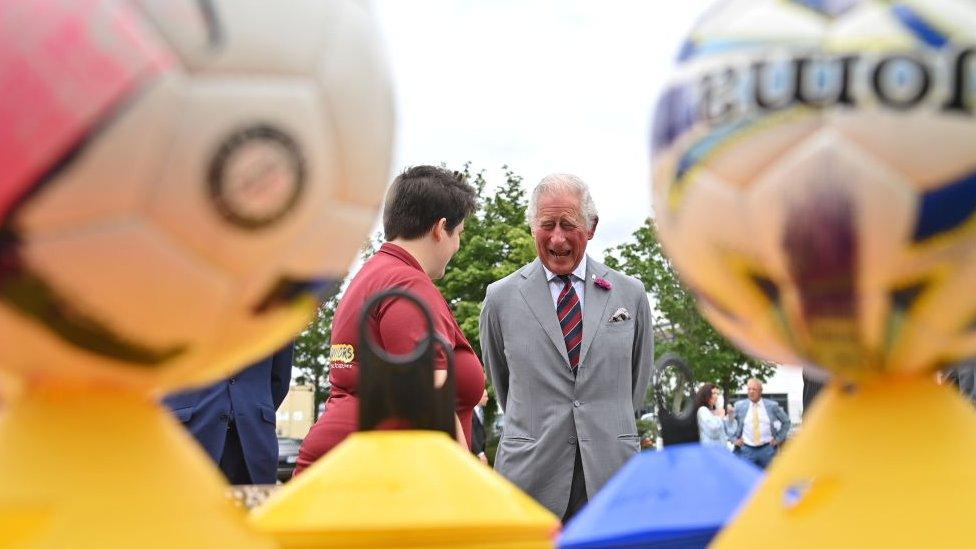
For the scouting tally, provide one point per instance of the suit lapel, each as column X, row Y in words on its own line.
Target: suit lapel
column 595, row 302
column 535, row 291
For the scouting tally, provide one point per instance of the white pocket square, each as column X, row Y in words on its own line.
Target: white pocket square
column 620, row 315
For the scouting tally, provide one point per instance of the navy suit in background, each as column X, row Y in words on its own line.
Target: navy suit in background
column 478, row 435
column 234, row 419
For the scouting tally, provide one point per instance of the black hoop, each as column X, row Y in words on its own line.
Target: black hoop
column 366, row 338
column 685, row 375
column 402, row 386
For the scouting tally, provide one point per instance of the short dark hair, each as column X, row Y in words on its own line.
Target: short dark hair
column 703, row 395
column 422, row 195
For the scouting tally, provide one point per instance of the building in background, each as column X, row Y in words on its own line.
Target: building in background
column 295, row 415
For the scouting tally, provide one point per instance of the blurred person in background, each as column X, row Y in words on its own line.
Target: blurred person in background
column 963, row 377
column 234, row 419
column 762, row 425
column 423, row 218
column 715, row 423
column 479, row 437
column 813, row 383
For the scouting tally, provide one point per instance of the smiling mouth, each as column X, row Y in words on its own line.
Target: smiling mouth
column 559, row 254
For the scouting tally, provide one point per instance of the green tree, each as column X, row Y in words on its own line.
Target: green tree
column 312, row 353
column 496, row 241
column 312, row 346
column 680, row 328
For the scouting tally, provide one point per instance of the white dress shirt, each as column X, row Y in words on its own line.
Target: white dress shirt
column 765, row 428
column 556, row 285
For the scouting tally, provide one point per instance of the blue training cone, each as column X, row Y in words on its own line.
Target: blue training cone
column 679, row 497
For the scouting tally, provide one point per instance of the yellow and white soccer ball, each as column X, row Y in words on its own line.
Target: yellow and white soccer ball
column 814, row 168
column 180, row 180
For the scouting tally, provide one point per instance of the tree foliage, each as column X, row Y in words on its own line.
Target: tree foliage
column 312, row 346
column 680, row 328
column 496, row 241
column 311, row 359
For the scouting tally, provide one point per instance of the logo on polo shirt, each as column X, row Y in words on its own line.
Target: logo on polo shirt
column 342, row 354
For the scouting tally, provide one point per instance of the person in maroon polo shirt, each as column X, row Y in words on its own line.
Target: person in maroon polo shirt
column 422, row 220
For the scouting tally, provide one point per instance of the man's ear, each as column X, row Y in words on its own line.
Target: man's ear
column 439, row 230
column 596, row 220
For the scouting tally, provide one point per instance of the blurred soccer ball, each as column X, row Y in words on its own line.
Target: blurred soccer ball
column 815, row 179
column 180, row 180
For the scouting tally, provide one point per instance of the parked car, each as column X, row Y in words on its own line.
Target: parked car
column 287, row 456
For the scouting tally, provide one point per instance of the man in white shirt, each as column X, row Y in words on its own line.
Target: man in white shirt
column 762, row 426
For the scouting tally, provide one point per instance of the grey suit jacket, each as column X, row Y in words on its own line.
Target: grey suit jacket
column 548, row 411
column 775, row 413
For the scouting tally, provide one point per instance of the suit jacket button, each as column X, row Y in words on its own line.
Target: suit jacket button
column 576, row 403
column 224, row 417
column 572, row 440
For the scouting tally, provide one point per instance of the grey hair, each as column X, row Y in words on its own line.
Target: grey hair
column 556, row 182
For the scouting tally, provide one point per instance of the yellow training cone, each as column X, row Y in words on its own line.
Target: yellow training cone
column 886, row 465
column 99, row 468
column 403, row 489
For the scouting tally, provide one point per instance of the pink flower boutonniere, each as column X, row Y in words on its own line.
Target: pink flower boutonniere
column 602, row 282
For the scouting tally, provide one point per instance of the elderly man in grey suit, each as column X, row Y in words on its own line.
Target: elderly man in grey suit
column 569, row 347
column 762, row 426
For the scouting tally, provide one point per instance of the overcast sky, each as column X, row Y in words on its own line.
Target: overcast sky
column 542, row 86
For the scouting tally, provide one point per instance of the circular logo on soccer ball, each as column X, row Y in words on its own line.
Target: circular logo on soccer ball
column 256, row 177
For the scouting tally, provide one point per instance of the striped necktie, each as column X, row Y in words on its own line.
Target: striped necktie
column 570, row 320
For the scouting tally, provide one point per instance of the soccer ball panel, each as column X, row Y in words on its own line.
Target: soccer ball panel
column 870, row 26
column 901, row 141
column 245, row 36
column 799, row 195
column 186, row 25
column 757, row 338
column 319, row 251
column 245, row 337
column 32, row 351
column 124, row 155
column 741, row 157
column 252, row 165
column 133, row 260
column 719, row 262
column 760, row 21
column 955, row 19
column 726, row 255
column 253, row 324
column 362, row 108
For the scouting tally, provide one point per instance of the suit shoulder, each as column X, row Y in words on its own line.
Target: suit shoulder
column 773, row 403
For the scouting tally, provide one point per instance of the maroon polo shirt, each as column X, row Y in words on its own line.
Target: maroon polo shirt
column 396, row 326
